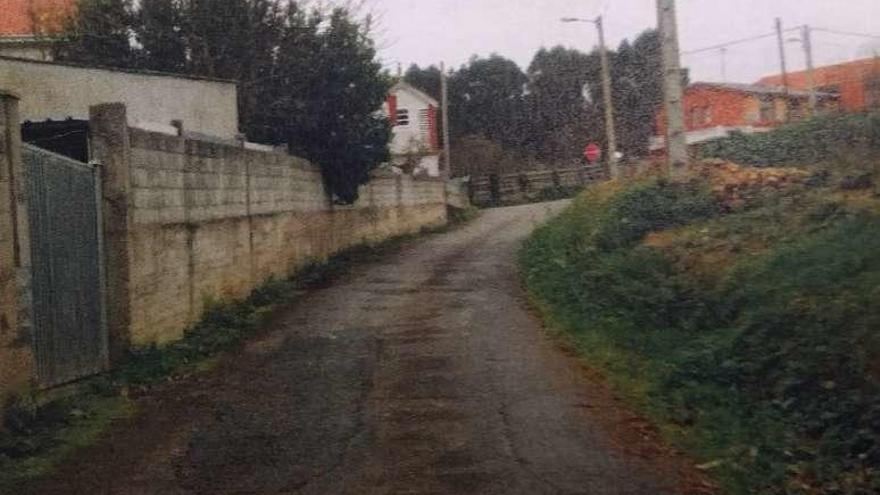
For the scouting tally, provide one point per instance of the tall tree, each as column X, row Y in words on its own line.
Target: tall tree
column 487, row 99
column 427, row 79
column 161, row 32
column 99, row 34
column 306, row 78
column 563, row 102
column 638, row 91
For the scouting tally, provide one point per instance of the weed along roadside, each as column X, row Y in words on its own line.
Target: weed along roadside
column 736, row 310
column 42, row 430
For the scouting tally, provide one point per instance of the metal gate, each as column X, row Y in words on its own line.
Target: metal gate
column 64, row 208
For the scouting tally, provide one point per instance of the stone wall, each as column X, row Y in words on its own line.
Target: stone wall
column 198, row 222
column 16, row 358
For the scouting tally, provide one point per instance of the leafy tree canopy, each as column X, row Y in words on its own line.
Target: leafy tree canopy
column 307, row 77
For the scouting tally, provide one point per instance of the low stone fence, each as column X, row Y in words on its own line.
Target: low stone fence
column 524, row 187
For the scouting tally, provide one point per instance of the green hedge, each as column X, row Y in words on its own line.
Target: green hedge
column 810, row 141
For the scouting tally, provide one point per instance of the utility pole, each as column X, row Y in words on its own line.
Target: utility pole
column 444, row 112
column 723, row 51
column 676, row 140
column 610, row 134
column 781, row 42
column 811, row 81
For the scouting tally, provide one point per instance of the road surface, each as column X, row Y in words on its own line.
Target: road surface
column 420, row 373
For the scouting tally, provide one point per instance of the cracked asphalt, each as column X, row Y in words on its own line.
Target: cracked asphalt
column 423, row 372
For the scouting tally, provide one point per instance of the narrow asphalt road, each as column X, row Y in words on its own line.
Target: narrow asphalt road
column 423, row 372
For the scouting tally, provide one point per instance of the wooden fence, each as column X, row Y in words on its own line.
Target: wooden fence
column 525, row 187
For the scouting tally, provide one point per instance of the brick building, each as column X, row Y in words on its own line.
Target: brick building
column 29, row 28
column 712, row 110
column 857, row 83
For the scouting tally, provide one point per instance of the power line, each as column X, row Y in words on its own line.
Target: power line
column 847, row 33
column 735, row 42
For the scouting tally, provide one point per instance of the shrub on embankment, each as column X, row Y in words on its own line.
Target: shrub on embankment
column 751, row 336
column 809, row 141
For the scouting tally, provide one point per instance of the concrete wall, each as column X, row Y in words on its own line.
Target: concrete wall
column 209, row 222
column 56, row 91
column 16, row 358
column 29, row 49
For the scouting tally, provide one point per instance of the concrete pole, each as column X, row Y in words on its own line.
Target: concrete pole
column 781, row 42
column 610, row 134
column 444, row 90
column 811, row 81
column 782, row 64
column 676, row 140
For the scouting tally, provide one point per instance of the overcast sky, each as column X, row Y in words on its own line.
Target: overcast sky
column 428, row 31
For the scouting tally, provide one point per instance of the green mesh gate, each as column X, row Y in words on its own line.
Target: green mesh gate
column 70, row 337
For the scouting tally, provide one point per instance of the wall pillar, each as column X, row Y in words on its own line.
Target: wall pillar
column 110, row 147
column 17, row 367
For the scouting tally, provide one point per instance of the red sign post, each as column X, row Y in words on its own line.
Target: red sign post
column 592, row 152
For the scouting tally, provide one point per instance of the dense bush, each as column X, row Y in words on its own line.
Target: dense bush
column 810, row 141
column 769, row 365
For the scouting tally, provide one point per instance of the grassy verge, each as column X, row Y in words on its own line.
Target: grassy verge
column 748, row 336
column 43, row 429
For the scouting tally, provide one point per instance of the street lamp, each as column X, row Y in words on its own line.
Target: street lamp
column 606, row 92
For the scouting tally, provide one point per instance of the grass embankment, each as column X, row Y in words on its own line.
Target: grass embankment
column 751, row 336
column 42, row 430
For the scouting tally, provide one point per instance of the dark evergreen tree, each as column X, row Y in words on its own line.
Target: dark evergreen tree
column 564, row 92
column 427, row 79
column 308, row 79
column 487, row 99
column 161, row 32
column 100, row 34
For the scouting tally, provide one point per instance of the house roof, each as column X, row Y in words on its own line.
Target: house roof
column 23, row 18
column 421, row 95
column 760, row 89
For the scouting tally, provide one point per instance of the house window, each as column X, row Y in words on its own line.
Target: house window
column 872, row 91
column 768, row 110
column 402, row 116
column 830, row 88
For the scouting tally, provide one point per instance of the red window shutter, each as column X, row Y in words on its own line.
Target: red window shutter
column 392, row 109
column 432, row 128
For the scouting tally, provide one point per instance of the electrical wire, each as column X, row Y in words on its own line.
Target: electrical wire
column 735, row 42
column 846, row 33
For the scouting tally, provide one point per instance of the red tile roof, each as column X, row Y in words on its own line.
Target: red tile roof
column 34, row 17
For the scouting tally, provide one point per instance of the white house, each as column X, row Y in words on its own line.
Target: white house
column 415, row 143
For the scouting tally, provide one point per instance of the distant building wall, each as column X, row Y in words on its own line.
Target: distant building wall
column 56, row 91
column 32, row 49
column 857, row 82
column 708, row 106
